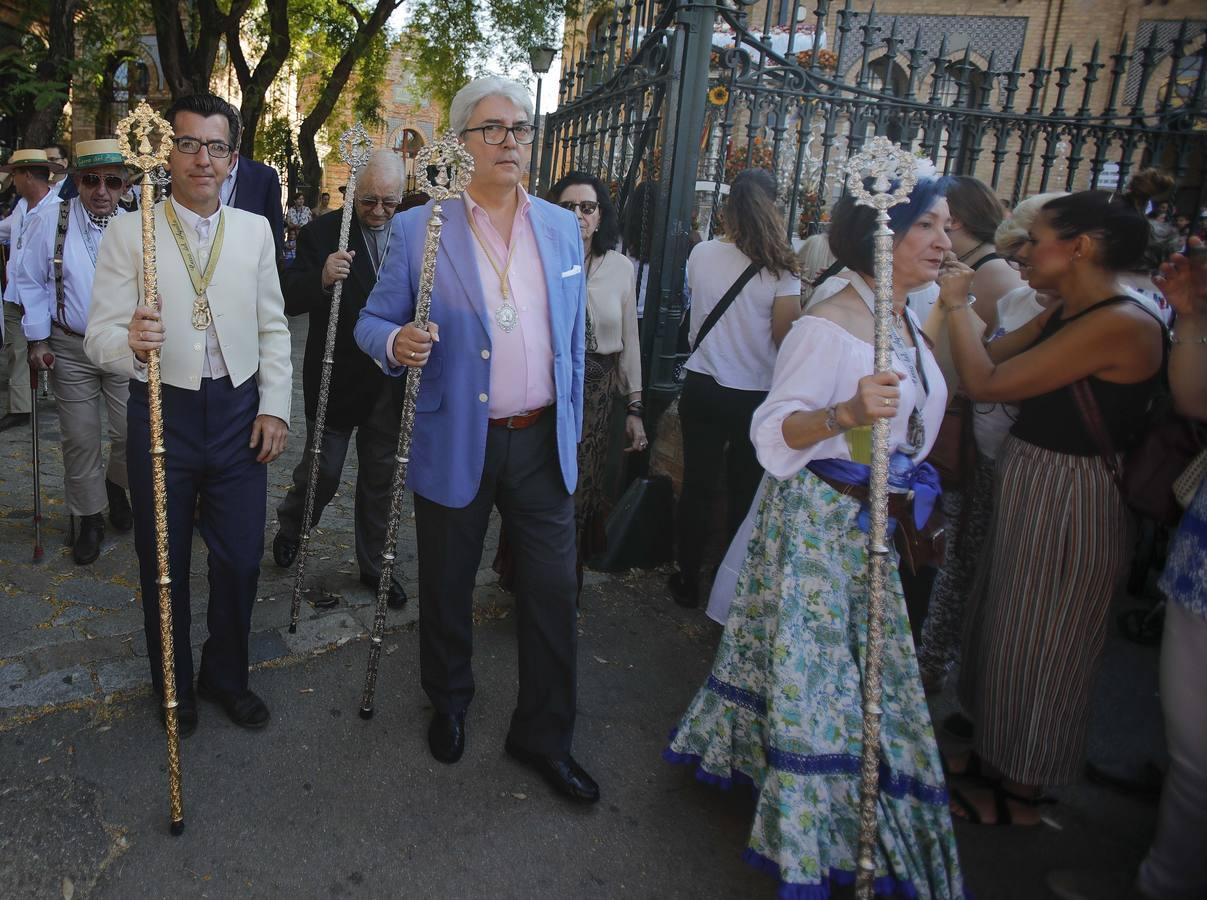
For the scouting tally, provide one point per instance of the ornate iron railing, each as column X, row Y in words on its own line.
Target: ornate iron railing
column 681, row 95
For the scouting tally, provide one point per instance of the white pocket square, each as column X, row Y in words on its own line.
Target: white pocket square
column 573, row 271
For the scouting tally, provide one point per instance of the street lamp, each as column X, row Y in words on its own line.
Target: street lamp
column 540, row 58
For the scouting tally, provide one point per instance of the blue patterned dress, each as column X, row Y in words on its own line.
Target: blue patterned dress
column 781, row 709
column 1184, row 580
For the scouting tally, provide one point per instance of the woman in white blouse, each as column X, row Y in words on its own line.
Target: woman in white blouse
column 613, row 363
column 781, row 708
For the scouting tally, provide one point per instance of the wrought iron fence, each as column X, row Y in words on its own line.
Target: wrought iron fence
column 666, row 101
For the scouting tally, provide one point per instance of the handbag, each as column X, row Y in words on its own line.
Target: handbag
column 1186, row 485
column 954, row 451
column 641, row 527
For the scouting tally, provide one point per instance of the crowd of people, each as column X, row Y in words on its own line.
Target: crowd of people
column 1029, row 350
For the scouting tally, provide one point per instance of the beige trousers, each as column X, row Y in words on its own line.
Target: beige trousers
column 81, row 388
column 16, row 360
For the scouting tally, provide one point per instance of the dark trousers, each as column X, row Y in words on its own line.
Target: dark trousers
column 206, row 435
column 376, row 443
column 715, row 422
column 520, row 476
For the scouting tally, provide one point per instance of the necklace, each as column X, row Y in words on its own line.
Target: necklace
column 506, row 315
column 970, row 252
column 84, row 217
column 202, row 317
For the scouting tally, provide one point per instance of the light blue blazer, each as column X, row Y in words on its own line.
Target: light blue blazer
column 449, row 442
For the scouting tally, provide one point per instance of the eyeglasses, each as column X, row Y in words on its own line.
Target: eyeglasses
column 92, row 180
column 387, row 203
column 588, row 207
column 497, row 134
column 216, row 149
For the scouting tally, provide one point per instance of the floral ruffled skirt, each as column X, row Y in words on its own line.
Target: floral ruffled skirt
column 781, row 709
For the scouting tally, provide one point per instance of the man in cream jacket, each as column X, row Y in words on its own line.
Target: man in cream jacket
column 227, row 383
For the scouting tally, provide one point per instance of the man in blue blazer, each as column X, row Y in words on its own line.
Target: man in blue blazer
column 498, row 419
column 255, row 187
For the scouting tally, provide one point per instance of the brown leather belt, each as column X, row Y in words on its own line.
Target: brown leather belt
column 899, row 505
column 523, row 420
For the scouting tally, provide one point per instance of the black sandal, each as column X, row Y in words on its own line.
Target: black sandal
column 973, row 769
column 1001, row 807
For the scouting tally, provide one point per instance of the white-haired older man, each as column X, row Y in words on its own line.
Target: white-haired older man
column 498, row 419
column 362, row 397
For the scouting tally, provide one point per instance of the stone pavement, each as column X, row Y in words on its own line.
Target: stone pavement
column 73, row 634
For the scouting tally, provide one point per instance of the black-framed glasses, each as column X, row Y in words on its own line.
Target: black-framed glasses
column 386, row 203
column 589, row 207
column 216, row 149
column 495, row 134
column 92, row 180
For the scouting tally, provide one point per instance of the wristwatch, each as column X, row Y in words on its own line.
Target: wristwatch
column 832, row 419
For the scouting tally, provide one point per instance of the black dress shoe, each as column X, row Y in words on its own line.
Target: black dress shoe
column 396, row 599
column 186, row 715
column 14, row 420
column 120, row 514
column 87, row 546
column 562, row 773
column 284, row 550
column 446, row 736
column 243, row 708
column 685, row 591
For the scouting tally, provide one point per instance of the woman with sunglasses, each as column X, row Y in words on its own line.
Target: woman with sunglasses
column 751, row 267
column 1083, row 374
column 613, row 362
column 967, row 507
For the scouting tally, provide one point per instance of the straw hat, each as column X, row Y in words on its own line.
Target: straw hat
column 25, row 159
column 90, row 154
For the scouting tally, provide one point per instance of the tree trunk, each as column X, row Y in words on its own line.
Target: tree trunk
column 312, row 169
column 188, row 70
column 55, row 67
column 255, row 85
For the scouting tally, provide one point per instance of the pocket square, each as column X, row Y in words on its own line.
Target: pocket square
column 573, row 271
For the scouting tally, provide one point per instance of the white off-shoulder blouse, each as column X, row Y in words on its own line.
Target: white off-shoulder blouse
column 820, row 364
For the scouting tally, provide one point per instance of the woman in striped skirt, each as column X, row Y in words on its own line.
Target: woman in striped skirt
column 1037, row 616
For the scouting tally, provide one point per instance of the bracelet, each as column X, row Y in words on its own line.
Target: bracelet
column 1173, row 339
column 971, row 300
column 832, row 419
column 636, row 408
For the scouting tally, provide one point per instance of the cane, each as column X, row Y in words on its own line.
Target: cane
column 34, row 378
column 892, row 171
column 354, row 148
column 144, row 122
column 453, row 167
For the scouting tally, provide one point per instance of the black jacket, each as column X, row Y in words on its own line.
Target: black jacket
column 356, row 380
column 258, row 190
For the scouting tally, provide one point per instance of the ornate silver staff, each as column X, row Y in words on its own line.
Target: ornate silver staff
column 355, row 147
column 449, row 168
column 142, row 123
column 891, row 171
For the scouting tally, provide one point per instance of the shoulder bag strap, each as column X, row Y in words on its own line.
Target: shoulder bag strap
column 60, row 239
column 827, row 273
column 1091, row 417
column 724, row 303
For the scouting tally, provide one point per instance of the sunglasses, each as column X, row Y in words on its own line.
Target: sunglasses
column 386, row 203
column 588, row 207
column 92, row 180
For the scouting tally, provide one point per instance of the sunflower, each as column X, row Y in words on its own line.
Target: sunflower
column 719, row 95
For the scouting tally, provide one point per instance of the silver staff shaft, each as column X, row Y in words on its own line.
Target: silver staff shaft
column 406, row 428
column 320, row 415
column 34, row 378
column 878, row 562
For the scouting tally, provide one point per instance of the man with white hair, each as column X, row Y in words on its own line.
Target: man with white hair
column 498, row 419
column 362, row 397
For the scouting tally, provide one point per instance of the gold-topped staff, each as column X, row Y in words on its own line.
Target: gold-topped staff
column 144, row 123
column 449, row 167
column 355, row 148
column 880, row 176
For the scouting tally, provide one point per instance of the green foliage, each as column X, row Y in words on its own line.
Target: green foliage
column 448, row 42
column 274, row 141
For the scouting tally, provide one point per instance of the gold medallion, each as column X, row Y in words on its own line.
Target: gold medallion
column 202, row 319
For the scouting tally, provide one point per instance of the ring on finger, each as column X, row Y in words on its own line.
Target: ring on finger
column 888, row 401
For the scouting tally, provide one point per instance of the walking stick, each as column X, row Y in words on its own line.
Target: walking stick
column 449, row 167
column 144, row 122
column 892, row 173
column 34, row 377
column 354, row 148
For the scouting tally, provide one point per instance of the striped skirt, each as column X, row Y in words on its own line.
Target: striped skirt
column 1037, row 617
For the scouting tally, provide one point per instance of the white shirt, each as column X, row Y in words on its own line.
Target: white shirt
column 18, row 223
column 991, row 422
column 226, row 190
column 921, row 301
column 199, row 234
column 35, row 275
column 820, row 364
column 739, row 352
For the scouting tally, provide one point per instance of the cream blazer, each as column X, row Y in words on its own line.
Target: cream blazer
column 245, row 298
